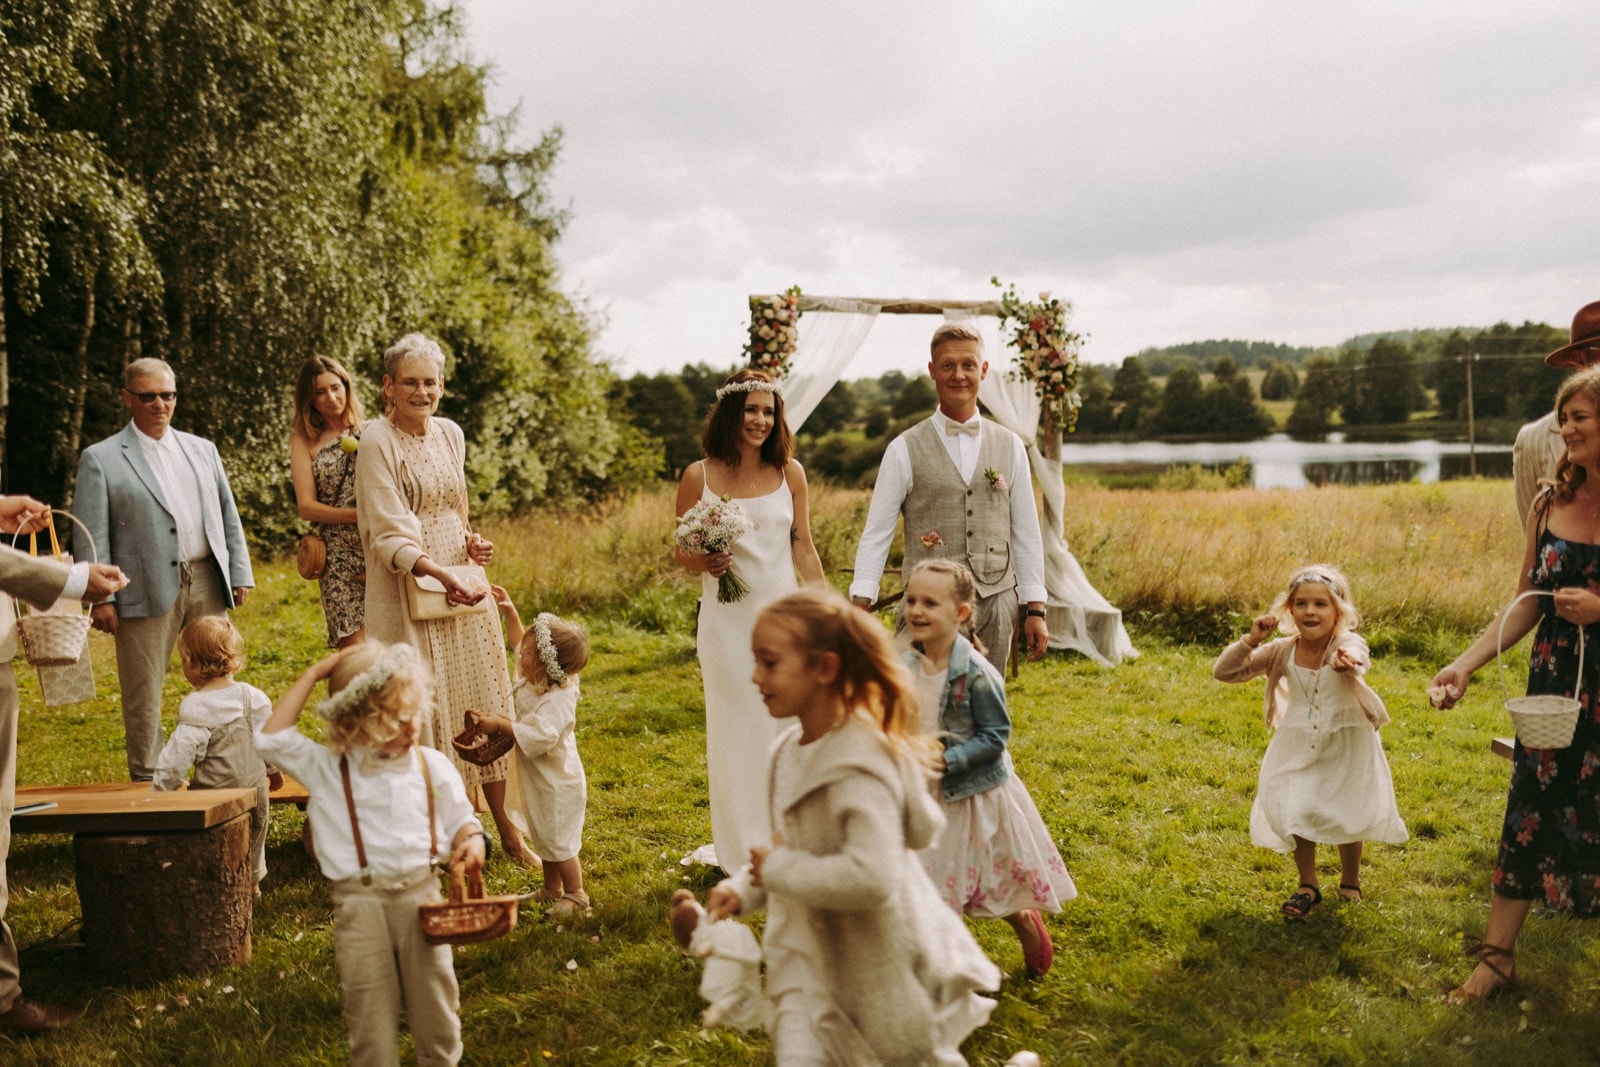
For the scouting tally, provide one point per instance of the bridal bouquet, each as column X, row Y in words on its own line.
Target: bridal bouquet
column 713, row 526
column 1047, row 352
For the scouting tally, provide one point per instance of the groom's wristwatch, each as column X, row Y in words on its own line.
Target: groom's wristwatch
column 1036, row 613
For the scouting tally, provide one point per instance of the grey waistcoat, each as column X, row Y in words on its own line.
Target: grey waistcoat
column 972, row 520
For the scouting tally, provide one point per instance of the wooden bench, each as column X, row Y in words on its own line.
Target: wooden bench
column 165, row 880
column 1502, row 746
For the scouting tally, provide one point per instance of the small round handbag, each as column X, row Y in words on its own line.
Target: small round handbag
column 311, row 557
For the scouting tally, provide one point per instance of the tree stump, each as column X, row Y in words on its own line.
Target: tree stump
column 163, row 904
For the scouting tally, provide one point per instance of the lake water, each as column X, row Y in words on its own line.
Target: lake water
column 1280, row 462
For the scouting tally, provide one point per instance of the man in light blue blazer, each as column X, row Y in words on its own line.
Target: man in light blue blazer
column 158, row 505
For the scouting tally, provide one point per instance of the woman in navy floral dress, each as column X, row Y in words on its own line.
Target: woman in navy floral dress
column 1550, row 841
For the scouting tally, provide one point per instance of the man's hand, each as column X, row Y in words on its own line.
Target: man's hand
column 103, row 617
column 1037, row 635
column 22, row 514
column 104, row 580
column 239, row 594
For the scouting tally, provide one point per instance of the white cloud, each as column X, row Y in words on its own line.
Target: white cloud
column 1180, row 171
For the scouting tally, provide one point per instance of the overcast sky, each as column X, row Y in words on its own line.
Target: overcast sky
column 1292, row 171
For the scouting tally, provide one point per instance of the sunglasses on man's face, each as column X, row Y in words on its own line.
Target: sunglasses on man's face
column 151, row 398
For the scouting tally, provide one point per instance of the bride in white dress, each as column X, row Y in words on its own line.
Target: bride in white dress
column 749, row 458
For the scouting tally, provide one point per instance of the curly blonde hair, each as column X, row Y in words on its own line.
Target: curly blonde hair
column 212, row 645
column 1337, row 585
column 394, row 687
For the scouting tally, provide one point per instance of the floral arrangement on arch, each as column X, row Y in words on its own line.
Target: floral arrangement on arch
column 1046, row 351
column 773, row 332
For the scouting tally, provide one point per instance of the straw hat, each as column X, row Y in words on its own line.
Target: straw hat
column 1584, row 348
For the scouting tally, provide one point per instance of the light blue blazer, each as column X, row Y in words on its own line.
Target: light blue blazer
column 119, row 499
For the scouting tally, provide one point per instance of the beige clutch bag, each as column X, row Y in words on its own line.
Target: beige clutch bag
column 425, row 596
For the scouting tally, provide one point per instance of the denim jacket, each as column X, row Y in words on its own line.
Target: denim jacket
column 973, row 724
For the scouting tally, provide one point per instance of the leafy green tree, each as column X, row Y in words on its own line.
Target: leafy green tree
column 1180, row 411
column 1387, row 389
column 917, row 397
column 1128, row 384
column 1096, row 415
column 1321, row 392
column 1280, row 382
column 1228, row 406
column 836, row 411
column 1224, row 369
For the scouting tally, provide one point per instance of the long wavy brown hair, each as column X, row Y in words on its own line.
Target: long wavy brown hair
column 308, row 421
column 719, row 438
column 1569, row 477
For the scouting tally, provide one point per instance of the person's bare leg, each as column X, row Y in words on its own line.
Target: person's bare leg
column 510, row 836
column 1505, row 923
column 1350, row 870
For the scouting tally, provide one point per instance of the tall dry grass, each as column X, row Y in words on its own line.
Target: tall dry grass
column 1422, row 559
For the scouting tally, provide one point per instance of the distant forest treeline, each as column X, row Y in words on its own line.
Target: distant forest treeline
column 1207, row 388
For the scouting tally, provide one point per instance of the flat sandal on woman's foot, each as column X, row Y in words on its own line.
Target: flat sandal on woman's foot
column 1350, row 893
column 1302, row 902
column 1501, row 962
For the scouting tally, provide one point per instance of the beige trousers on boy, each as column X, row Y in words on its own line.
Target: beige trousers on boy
column 384, row 965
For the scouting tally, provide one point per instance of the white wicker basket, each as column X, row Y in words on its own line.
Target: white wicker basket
column 55, row 637
column 1544, row 721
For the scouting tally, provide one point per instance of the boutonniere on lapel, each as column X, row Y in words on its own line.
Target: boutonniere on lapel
column 931, row 539
column 997, row 481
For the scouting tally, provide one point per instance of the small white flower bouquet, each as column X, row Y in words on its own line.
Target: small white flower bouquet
column 713, row 526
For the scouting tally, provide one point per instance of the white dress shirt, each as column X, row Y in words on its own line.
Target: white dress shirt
column 182, row 491
column 895, row 481
column 391, row 804
column 199, row 713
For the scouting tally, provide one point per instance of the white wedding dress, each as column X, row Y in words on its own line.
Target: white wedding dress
column 739, row 732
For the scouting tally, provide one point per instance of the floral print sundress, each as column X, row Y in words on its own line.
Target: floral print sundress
column 1550, row 843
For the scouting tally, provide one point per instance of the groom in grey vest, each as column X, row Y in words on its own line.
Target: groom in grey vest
column 964, row 487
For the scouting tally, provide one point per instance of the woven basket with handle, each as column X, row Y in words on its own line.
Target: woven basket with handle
column 1544, row 720
column 54, row 637
column 468, row 915
column 477, row 745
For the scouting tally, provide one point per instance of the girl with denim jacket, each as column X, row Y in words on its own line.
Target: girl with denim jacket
column 996, row 858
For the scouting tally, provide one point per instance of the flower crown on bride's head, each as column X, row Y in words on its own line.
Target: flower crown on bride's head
column 750, row 385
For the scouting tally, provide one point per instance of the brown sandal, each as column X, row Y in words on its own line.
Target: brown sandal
column 1302, row 902
column 1486, row 954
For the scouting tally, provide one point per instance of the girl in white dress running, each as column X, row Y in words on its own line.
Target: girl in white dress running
column 1324, row 777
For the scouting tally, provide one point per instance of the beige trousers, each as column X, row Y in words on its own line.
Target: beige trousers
column 144, row 649
column 10, row 976
column 384, row 965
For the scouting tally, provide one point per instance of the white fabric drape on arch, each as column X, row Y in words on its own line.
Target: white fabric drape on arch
column 1078, row 616
column 828, row 341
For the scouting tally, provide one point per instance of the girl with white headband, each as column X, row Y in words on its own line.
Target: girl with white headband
column 1324, row 778
column 551, row 785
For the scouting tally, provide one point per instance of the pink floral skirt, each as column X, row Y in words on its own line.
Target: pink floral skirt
column 996, row 858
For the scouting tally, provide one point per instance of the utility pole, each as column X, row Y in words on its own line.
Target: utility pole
column 1472, row 434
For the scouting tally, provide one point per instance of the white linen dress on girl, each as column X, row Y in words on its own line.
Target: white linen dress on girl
column 1324, row 777
column 548, row 773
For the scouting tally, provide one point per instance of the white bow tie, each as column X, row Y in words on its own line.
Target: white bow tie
column 955, row 429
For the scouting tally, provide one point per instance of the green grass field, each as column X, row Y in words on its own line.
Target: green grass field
column 1174, row 952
